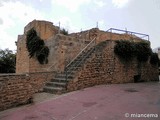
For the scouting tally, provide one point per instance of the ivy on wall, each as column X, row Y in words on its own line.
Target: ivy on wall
column 143, row 51
column 36, row 47
column 154, row 60
column 124, row 49
column 127, row 50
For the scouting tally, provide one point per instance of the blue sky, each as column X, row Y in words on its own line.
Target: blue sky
column 136, row 15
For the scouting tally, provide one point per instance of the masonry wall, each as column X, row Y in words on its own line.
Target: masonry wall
column 115, row 36
column 103, row 35
column 87, row 34
column 18, row 89
column 45, row 29
column 24, row 64
column 104, row 67
column 62, row 50
column 22, row 58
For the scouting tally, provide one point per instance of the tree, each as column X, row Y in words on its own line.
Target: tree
column 7, row 61
column 64, row 32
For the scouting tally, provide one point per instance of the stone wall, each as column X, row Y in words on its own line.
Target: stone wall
column 62, row 48
column 104, row 67
column 87, row 34
column 115, row 36
column 45, row 29
column 24, row 64
column 104, row 35
column 22, row 58
column 17, row 89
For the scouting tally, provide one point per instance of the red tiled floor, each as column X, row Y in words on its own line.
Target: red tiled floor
column 104, row 102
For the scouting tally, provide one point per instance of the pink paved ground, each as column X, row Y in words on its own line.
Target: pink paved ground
column 104, row 102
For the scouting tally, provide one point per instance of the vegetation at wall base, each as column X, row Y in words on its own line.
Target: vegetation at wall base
column 127, row 50
column 36, row 47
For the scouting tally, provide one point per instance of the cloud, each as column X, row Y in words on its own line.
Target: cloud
column 14, row 16
column 101, row 22
column 66, row 23
column 7, row 41
column 99, row 3
column 72, row 5
column 20, row 11
column 119, row 3
column 1, row 21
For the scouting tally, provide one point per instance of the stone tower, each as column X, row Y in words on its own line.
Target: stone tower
column 45, row 30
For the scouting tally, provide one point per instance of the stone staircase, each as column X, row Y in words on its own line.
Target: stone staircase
column 58, row 84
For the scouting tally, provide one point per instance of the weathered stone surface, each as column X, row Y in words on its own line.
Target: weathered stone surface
column 62, row 48
column 17, row 89
column 103, row 67
column 106, row 68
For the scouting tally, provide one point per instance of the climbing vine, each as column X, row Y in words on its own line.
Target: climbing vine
column 143, row 51
column 36, row 47
column 127, row 50
column 154, row 60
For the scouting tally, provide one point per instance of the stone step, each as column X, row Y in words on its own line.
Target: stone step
column 54, row 90
column 79, row 60
column 63, row 75
column 81, row 57
column 73, row 68
column 71, row 72
column 75, row 64
column 62, row 80
column 56, row 84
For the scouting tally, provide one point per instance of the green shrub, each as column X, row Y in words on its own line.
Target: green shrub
column 154, row 60
column 36, row 47
column 127, row 50
column 64, row 32
column 143, row 51
column 42, row 55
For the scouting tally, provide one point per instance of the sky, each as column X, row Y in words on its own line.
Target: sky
column 141, row 16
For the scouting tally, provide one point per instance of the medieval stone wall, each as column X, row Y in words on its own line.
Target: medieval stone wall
column 103, row 35
column 87, row 35
column 105, row 68
column 22, row 58
column 45, row 29
column 17, row 89
column 115, row 36
column 62, row 48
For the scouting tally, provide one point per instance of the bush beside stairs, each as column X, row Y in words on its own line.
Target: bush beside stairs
column 58, row 84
